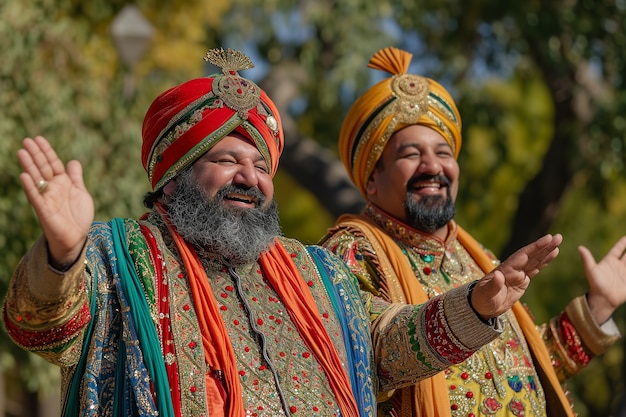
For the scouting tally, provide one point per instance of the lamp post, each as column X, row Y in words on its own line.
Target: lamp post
column 131, row 33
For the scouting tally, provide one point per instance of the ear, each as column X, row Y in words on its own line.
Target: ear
column 371, row 187
column 169, row 188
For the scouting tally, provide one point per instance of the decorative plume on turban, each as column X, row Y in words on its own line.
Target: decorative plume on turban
column 187, row 120
column 390, row 105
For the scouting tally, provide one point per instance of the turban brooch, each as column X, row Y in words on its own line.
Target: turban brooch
column 187, row 120
column 390, row 105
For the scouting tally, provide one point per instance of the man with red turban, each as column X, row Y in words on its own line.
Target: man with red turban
column 201, row 307
column 399, row 143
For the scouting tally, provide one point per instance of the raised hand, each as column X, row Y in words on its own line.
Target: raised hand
column 63, row 205
column 497, row 291
column 607, row 280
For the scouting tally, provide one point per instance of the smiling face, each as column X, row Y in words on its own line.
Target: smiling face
column 235, row 161
column 417, row 164
column 223, row 204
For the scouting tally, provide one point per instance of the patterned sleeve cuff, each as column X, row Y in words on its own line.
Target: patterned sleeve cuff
column 47, row 284
column 44, row 311
column 596, row 338
column 38, row 298
column 466, row 326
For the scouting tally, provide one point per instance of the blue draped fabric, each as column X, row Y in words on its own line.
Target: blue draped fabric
column 346, row 300
column 72, row 401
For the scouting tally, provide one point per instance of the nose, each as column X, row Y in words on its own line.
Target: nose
column 246, row 174
column 429, row 164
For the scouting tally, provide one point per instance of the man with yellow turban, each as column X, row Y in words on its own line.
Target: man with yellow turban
column 399, row 143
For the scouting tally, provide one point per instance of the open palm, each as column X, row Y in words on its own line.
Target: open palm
column 65, row 208
column 607, row 280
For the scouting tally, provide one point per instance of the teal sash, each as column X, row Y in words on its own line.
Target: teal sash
column 140, row 378
column 143, row 325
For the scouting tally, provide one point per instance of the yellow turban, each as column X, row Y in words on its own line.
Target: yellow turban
column 390, row 105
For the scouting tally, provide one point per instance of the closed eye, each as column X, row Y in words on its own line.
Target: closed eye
column 225, row 161
column 411, row 155
column 262, row 168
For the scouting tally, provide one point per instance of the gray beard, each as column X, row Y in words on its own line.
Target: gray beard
column 237, row 235
column 429, row 213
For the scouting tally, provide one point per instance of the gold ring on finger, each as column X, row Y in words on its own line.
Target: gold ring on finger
column 42, row 186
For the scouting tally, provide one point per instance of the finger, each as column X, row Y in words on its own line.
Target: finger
column 25, row 158
column 548, row 257
column 49, row 158
column 487, row 288
column 558, row 239
column 540, row 248
column 535, row 255
column 75, row 172
column 546, row 241
column 587, row 258
column 547, row 252
column 533, row 270
column 39, row 166
column 30, row 188
column 549, row 244
column 618, row 249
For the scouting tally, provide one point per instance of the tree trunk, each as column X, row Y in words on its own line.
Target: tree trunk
column 540, row 200
column 572, row 90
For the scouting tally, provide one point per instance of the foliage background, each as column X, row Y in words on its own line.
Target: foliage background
column 540, row 86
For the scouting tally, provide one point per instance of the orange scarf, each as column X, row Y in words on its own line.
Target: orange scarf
column 431, row 396
column 285, row 278
column 283, row 275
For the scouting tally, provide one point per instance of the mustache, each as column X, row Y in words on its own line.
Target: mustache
column 442, row 179
column 252, row 192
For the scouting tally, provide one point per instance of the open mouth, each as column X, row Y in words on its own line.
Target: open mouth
column 418, row 185
column 427, row 185
column 241, row 198
column 430, row 184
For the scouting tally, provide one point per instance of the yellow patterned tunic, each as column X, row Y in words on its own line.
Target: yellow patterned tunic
column 500, row 379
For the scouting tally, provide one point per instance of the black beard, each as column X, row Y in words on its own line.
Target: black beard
column 430, row 213
column 237, row 235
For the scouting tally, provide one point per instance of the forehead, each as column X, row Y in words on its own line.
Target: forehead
column 417, row 136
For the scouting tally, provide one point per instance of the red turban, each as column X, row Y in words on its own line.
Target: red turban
column 187, row 120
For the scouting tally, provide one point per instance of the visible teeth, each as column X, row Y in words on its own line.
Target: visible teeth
column 242, row 198
column 428, row 185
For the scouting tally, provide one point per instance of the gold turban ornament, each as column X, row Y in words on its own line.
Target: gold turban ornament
column 390, row 105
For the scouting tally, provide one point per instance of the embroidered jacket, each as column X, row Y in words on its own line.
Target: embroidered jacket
column 82, row 321
column 500, row 378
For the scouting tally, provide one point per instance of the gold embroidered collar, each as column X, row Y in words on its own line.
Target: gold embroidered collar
column 421, row 242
